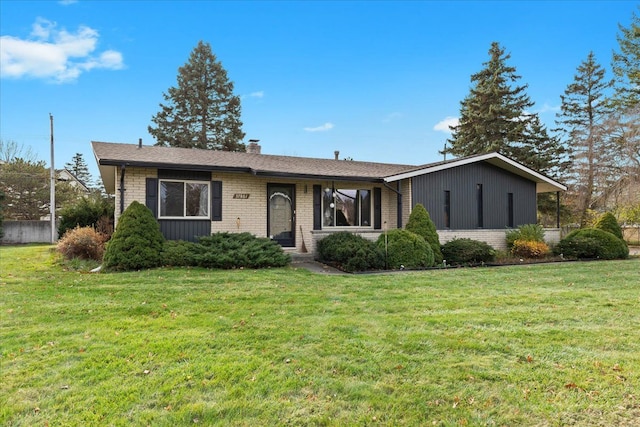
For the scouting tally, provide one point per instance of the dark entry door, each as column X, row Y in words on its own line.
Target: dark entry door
column 281, row 214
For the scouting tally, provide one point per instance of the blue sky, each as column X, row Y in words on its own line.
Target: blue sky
column 377, row 81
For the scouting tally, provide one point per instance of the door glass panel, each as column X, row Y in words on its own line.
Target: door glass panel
column 280, row 213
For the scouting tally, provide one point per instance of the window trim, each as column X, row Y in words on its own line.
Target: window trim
column 358, row 189
column 184, row 199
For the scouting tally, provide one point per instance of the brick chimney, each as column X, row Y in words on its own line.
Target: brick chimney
column 253, row 147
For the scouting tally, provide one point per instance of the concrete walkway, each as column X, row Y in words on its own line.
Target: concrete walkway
column 307, row 262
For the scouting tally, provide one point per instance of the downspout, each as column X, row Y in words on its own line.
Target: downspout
column 122, row 169
column 399, row 206
column 557, row 209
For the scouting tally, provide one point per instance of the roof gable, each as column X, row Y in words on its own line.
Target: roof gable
column 544, row 184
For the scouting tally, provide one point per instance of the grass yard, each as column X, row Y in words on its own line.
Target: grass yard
column 548, row 344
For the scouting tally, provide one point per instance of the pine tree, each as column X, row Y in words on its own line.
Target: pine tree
column 201, row 112
column 626, row 66
column 624, row 123
column 78, row 167
column 495, row 117
column 584, row 112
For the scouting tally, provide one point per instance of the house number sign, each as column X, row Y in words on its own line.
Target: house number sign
column 241, row 196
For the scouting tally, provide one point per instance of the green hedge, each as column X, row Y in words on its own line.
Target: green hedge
column 467, row 252
column 592, row 243
column 405, row 249
column 350, row 252
column 225, row 251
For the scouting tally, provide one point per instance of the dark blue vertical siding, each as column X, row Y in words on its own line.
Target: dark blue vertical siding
column 189, row 230
column 462, row 182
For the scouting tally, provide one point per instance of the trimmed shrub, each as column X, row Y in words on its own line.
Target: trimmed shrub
column 87, row 212
column 527, row 233
column 350, row 252
column 137, row 242
column 178, row 253
column 592, row 243
column 608, row 222
column 239, row 250
column 82, row 243
column 421, row 224
column 405, row 249
column 467, row 252
column 529, row 249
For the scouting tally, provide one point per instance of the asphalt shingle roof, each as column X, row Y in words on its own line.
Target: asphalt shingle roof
column 116, row 154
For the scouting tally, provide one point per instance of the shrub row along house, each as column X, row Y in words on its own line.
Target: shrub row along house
column 296, row 201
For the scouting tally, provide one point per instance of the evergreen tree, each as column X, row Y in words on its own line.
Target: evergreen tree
column 584, row 112
column 624, row 123
column 420, row 223
column 78, row 167
column 494, row 117
column 201, row 112
column 626, row 66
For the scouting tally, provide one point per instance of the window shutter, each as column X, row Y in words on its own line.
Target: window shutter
column 152, row 196
column 377, row 208
column 317, row 207
column 216, row 200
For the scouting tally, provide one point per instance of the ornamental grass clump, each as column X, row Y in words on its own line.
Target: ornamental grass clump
column 137, row 242
column 526, row 233
column 82, row 243
column 529, row 249
column 420, row 223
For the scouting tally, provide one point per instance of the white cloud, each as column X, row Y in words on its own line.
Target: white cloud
column 258, row 94
column 55, row 54
column 393, row 116
column 67, row 2
column 443, row 125
column 549, row 108
column 325, row 127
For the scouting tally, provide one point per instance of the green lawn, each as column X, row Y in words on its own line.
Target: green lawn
column 549, row 344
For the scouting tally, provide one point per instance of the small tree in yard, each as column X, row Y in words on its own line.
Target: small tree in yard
column 421, row 224
column 608, row 222
column 137, row 242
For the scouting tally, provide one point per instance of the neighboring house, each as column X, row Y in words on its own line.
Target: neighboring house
column 296, row 201
column 68, row 176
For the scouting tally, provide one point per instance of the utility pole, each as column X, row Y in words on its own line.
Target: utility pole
column 52, row 192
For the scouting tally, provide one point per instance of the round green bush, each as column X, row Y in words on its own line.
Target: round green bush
column 405, row 249
column 467, row 252
column 350, row 252
column 592, row 243
column 608, row 222
column 137, row 242
column 421, row 224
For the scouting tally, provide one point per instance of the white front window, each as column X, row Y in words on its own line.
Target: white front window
column 184, row 199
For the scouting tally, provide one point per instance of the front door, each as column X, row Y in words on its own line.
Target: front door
column 281, row 214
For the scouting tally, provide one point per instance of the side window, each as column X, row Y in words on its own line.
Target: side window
column 447, row 209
